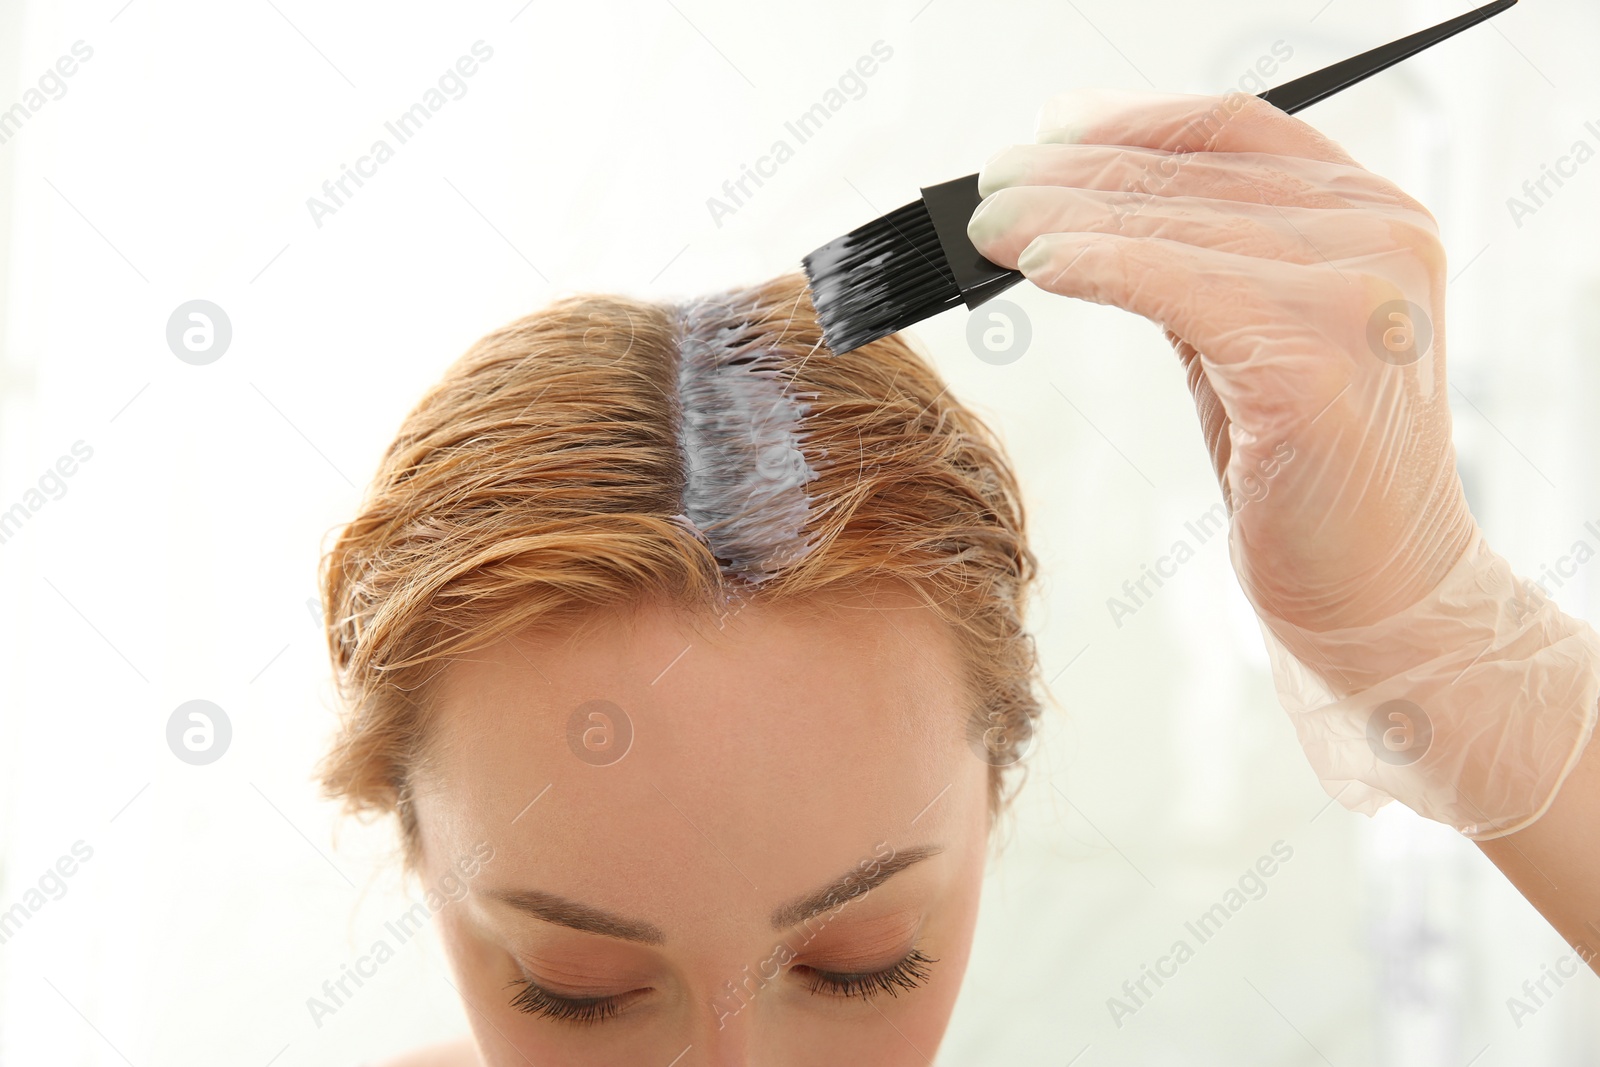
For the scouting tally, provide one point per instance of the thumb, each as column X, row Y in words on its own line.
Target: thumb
column 1213, row 416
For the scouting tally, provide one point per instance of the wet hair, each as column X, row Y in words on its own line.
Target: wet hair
column 606, row 452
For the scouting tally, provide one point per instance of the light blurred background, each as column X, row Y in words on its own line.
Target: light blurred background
column 177, row 561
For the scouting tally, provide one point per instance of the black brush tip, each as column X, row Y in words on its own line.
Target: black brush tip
column 880, row 278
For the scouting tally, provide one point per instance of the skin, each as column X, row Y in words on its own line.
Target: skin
column 770, row 757
column 1555, row 863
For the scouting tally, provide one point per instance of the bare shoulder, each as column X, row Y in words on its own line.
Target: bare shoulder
column 461, row 1052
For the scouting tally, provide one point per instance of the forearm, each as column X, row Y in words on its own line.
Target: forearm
column 1504, row 687
column 1470, row 707
column 1555, row 862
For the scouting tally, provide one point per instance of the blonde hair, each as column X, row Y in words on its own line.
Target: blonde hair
column 544, row 478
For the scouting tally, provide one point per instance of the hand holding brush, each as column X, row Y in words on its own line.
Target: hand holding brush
column 1305, row 298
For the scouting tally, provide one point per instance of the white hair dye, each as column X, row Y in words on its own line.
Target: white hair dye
column 740, row 431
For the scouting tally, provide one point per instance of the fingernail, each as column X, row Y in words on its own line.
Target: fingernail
column 986, row 224
column 1000, row 171
column 1033, row 257
column 1061, row 135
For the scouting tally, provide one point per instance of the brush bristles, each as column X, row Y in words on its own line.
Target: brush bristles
column 880, row 278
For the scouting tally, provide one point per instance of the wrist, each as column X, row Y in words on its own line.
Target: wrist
column 1470, row 707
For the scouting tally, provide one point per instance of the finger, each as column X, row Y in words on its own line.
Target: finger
column 1213, row 417
column 1244, row 176
column 1273, row 341
column 1006, row 222
column 1289, row 319
column 1181, row 122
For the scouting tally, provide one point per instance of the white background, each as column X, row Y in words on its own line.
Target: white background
column 179, row 562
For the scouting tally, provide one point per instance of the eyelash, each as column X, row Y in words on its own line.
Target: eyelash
column 909, row 973
column 536, row 1001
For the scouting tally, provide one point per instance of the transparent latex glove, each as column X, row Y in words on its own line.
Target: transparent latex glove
column 1304, row 296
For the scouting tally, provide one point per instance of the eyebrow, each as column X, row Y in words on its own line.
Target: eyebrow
column 848, row 887
column 575, row 916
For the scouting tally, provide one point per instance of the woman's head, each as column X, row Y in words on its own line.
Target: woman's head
column 702, row 649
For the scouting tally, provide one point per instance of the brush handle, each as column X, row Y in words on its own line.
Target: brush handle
column 1319, row 85
column 952, row 203
column 931, row 271
column 950, row 206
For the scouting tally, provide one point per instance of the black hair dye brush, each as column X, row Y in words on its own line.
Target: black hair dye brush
column 916, row 261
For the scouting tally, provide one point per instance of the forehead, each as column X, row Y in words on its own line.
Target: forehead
column 774, row 750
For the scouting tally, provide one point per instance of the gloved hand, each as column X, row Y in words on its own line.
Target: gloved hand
column 1305, row 297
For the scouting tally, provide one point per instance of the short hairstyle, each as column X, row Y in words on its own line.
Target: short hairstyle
column 545, row 476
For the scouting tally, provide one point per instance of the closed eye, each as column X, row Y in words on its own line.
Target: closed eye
column 909, row 973
column 536, row 1000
